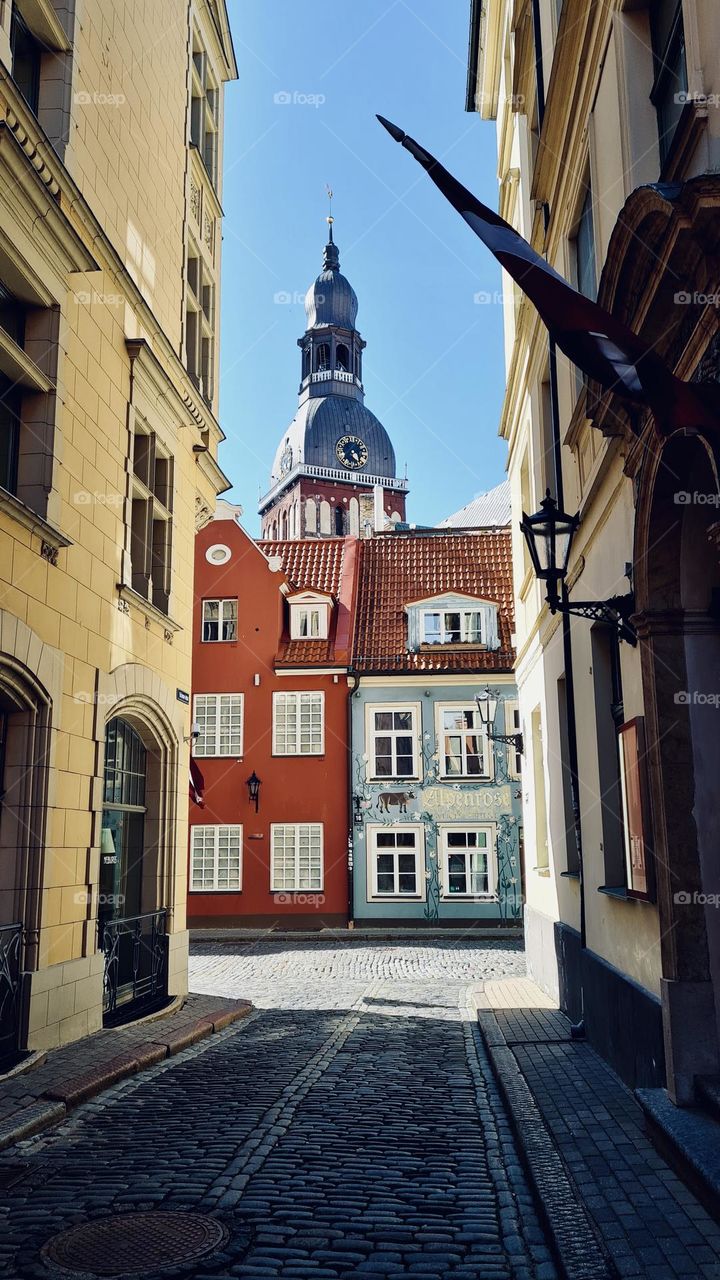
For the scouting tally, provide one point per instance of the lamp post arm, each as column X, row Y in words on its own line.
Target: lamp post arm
column 616, row 611
column 510, row 739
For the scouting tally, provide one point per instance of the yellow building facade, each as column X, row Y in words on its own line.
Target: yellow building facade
column 111, row 123
column 608, row 131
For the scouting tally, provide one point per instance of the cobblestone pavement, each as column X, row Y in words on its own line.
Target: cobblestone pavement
column 348, row 1127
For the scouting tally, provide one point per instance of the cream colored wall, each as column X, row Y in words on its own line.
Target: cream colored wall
column 129, row 160
column 618, row 138
column 127, row 148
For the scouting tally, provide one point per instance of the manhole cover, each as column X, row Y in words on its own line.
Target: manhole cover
column 133, row 1244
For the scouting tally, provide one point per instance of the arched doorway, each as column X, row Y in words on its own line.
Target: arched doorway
column 24, row 749
column 678, row 597
column 132, row 911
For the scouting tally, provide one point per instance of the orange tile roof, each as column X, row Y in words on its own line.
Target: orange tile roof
column 310, row 564
column 398, row 568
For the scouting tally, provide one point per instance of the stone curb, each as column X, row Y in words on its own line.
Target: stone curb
column 30, row 1120
column 350, row 935
column 558, row 1202
column 69, row 1092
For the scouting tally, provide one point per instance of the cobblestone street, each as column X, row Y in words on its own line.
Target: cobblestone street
column 350, row 1126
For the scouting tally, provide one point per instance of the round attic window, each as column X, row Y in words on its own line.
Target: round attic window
column 218, row 553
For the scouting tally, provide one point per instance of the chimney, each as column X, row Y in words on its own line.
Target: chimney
column 379, row 507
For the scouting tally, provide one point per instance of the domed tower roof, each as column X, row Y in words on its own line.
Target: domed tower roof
column 319, row 424
column 333, row 440
column 331, row 299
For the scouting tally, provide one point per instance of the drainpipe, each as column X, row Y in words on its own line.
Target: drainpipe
column 350, row 805
column 577, row 1030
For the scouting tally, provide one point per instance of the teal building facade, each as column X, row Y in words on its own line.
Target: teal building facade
column 436, row 802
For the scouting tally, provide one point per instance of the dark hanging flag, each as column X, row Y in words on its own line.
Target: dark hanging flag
column 600, row 345
column 197, row 784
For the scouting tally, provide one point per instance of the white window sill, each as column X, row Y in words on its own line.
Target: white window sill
column 415, row 778
column 397, row 897
column 469, row 897
column 228, row 890
column 465, row 777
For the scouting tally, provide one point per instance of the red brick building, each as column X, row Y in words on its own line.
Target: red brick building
column 273, row 625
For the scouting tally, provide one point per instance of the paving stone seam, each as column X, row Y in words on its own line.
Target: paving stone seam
column 569, row 1227
column 506, row 1174
column 228, row 1188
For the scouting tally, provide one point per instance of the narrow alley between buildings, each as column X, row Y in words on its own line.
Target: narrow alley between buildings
column 351, row 1125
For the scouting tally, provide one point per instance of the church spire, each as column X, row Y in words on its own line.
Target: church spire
column 331, row 257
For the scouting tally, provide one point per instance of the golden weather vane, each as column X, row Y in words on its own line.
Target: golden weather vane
column 330, row 218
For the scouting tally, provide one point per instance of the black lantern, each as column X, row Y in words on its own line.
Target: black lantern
column 253, row 786
column 549, row 536
column 357, row 810
column 487, row 705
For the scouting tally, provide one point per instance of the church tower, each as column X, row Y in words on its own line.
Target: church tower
column 334, row 470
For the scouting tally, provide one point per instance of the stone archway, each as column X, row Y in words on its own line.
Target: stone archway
column 659, row 277
column 142, row 700
column 138, row 696
column 677, row 582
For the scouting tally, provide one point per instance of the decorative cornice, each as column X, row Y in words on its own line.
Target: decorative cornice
column 673, row 622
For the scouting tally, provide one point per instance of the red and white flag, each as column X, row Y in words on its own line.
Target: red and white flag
column 599, row 344
column 197, row 784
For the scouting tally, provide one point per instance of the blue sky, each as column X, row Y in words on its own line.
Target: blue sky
column 433, row 368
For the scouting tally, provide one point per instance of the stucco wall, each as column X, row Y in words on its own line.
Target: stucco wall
column 432, row 801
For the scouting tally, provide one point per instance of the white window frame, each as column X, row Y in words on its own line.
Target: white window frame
column 209, row 745
column 487, row 746
column 444, row 829
column 220, row 601
column 296, row 828
column 307, row 609
column 307, row 622
column 371, row 733
column 513, row 724
column 372, row 830
column 200, row 830
column 443, row 611
column 298, row 695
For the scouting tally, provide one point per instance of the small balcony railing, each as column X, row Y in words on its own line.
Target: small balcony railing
column 135, row 980
column 10, row 954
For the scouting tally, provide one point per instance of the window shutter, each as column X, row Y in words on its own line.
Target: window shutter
column 631, row 746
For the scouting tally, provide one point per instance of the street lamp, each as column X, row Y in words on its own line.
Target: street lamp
column 487, row 705
column 549, row 536
column 253, row 786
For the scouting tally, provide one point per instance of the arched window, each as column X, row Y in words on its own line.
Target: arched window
column 322, row 357
column 340, row 522
column 342, row 357
column 305, row 362
column 285, row 525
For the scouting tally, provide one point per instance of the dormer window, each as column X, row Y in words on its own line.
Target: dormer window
column 454, row 620
column 309, row 615
column 453, row 626
column 308, row 623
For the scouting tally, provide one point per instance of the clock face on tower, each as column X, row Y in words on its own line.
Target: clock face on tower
column 352, row 452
